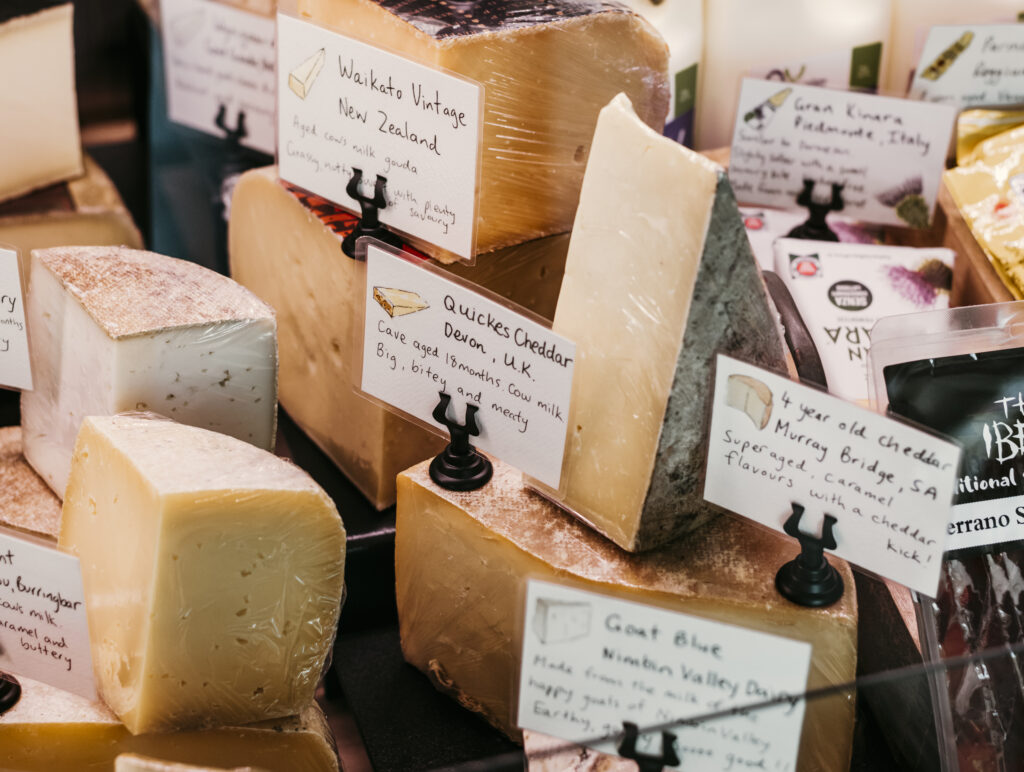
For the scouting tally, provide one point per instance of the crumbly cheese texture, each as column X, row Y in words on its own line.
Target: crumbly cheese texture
column 49, row 730
column 39, row 140
column 546, row 71
column 462, row 561
column 659, row 279
column 115, row 329
column 212, row 573
column 26, row 502
column 285, row 251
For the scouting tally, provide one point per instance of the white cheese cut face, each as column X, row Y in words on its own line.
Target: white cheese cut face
column 212, row 572
column 659, row 279
column 114, row 329
column 463, row 560
column 39, row 139
column 49, row 730
column 283, row 248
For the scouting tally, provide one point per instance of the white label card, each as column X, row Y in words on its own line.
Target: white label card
column 348, row 105
column 972, row 66
column 15, row 368
column 44, row 634
column 774, row 442
column 889, row 154
column 219, row 64
column 591, row 662
column 425, row 334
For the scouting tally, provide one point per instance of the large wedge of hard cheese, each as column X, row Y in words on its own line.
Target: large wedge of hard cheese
column 462, row 562
column 546, row 68
column 39, row 140
column 212, row 573
column 53, row 731
column 659, row 278
column 284, row 246
column 121, row 329
column 26, row 502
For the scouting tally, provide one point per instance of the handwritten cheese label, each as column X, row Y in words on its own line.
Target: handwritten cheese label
column 972, row 66
column 219, row 64
column 774, row 442
column 15, row 368
column 887, row 154
column 43, row 630
column 348, row 105
column 426, row 334
column 591, row 662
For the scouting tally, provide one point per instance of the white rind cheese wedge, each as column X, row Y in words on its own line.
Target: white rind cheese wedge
column 39, row 139
column 301, row 79
column 546, row 68
column 212, row 572
column 462, row 561
column 284, row 248
column 49, row 730
column 659, row 279
column 116, row 329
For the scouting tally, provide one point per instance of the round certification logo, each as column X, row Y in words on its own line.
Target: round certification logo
column 849, row 295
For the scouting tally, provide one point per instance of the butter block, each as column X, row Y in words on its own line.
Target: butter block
column 462, row 561
column 658, row 279
column 286, row 248
column 547, row 69
column 26, row 502
column 221, row 605
column 117, row 329
column 39, row 139
column 53, row 731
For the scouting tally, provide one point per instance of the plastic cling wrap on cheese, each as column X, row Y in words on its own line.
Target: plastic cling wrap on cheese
column 114, row 329
column 975, row 126
column 213, row 573
column 546, row 71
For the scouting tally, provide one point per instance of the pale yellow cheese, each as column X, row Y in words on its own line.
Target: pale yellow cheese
column 212, row 573
column 49, row 730
column 39, row 139
column 133, row 762
column 462, row 561
column 282, row 251
column 547, row 69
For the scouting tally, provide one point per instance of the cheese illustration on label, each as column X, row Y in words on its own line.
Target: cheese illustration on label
column 301, row 79
column 462, row 561
column 116, row 329
column 538, row 116
column 945, row 60
column 762, row 115
column 556, row 621
column 752, row 397
column 399, row 302
column 649, row 296
column 222, row 603
column 284, row 246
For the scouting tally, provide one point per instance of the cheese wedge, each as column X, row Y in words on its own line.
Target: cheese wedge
column 751, row 396
column 547, row 69
column 301, row 79
column 286, row 248
column 119, row 329
column 26, row 502
column 133, row 762
column 462, row 561
column 54, row 731
column 39, row 140
column 222, row 602
column 398, row 302
column 658, row 279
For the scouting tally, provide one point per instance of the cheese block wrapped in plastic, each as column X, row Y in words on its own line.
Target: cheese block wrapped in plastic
column 286, row 247
column 462, row 561
column 39, row 140
column 49, row 730
column 117, row 329
column 547, row 69
column 26, row 502
column 658, row 279
column 84, row 211
column 976, row 125
column 212, row 573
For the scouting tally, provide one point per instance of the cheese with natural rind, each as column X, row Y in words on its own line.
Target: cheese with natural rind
column 462, row 561
column 285, row 246
column 39, row 139
column 133, row 762
column 547, row 69
column 49, row 730
column 659, row 279
column 26, row 502
column 212, row 573
column 115, row 329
